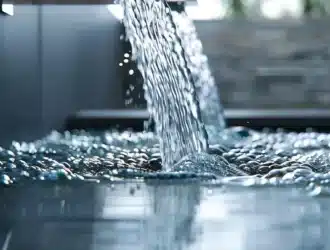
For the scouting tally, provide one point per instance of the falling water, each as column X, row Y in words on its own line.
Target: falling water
column 207, row 92
column 168, row 83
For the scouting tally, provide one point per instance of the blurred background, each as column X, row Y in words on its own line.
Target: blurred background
column 58, row 59
column 265, row 54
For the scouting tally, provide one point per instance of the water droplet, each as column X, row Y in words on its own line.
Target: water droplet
column 126, row 55
column 120, row 64
column 126, row 60
column 131, row 72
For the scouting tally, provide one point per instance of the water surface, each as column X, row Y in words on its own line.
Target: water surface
column 190, row 215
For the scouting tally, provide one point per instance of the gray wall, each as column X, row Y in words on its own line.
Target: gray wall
column 257, row 63
column 55, row 60
column 266, row 64
column 20, row 88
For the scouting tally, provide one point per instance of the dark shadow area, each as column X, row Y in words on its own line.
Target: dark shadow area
column 20, row 86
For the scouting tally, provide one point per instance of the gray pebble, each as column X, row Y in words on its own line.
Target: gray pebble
column 263, row 169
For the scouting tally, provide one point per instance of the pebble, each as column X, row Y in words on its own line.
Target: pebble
column 25, row 174
column 5, row 179
column 275, row 173
column 244, row 158
column 263, row 169
column 155, row 164
column 215, row 150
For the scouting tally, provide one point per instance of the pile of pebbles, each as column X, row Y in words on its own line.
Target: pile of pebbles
column 81, row 156
column 284, row 157
column 111, row 155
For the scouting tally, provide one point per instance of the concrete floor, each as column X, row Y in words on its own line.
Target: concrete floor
column 161, row 216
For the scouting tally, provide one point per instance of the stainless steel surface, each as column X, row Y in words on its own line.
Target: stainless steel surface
column 162, row 216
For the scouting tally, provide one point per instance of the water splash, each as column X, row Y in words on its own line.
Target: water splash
column 169, row 88
column 206, row 163
column 206, row 88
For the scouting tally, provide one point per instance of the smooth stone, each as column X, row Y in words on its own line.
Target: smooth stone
column 25, row 174
column 274, row 173
column 263, row 170
column 155, row 164
column 5, row 179
column 274, row 166
column 10, row 153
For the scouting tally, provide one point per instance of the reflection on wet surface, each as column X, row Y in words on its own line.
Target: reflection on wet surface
column 160, row 215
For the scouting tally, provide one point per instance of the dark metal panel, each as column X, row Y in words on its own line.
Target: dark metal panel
column 80, row 46
column 20, row 86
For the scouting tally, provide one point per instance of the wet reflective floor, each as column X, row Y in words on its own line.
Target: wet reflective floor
column 161, row 215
